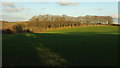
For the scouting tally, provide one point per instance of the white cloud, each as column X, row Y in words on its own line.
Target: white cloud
column 65, row 3
column 11, row 7
column 99, row 9
column 8, row 4
column 114, row 15
column 14, row 9
column 12, row 18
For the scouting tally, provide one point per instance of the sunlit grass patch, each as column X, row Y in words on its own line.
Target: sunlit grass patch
column 95, row 29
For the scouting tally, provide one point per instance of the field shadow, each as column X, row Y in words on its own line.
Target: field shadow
column 48, row 49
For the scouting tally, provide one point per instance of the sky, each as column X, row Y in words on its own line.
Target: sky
column 59, row 0
column 22, row 11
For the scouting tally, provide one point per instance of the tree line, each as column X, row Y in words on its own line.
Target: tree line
column 56, row 21
column 43, row 22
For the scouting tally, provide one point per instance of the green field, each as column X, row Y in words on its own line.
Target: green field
column 83, row 46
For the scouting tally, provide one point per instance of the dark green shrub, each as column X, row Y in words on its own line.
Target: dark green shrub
column 18, row 28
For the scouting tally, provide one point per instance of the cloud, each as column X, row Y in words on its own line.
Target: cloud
column 114, row 15
column 27, row 9
column 65, row 3
column 12, row 18
column 14, row 9
column 99, row 9
column 11, row 7
column 8, row 4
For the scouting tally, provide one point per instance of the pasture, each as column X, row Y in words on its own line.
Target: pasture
column 82, row 46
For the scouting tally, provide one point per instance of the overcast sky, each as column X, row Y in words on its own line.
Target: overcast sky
column 21, row 11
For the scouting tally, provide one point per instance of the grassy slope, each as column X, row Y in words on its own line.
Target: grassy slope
column 74, row 46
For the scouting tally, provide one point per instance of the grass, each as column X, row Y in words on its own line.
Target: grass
column 83, row 46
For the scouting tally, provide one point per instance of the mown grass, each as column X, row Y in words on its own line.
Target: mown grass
column 84, row 46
